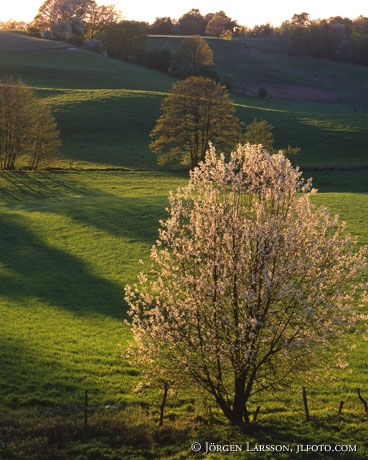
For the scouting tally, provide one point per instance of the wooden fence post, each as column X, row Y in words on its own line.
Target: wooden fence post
column 85, row 409
column 340, row 407
column 305, row 405
column 75, row 416
column 365, row 403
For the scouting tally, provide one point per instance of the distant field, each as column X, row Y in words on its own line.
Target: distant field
column 98, row 102
column 19, row 42
column 318, row 105
column 264, row 62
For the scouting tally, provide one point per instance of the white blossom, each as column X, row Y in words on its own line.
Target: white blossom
column 249, row 285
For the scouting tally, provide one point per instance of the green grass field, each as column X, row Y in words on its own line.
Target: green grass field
column 70, row 244
column 72, row 238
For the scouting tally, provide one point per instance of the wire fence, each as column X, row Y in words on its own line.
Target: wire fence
column 17, row 423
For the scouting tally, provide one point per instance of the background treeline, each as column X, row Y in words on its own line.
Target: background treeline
column 336, row 38
column 102, row 28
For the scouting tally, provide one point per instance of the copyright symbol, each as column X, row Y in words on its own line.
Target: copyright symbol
column 196, row 447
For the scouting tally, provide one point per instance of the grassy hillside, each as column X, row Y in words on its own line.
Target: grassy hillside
column 265, row 62
column 71, row 240
column 98, row 102
column 70, row 243
column 318, row 105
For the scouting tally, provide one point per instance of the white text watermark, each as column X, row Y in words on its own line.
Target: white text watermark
column 207, row 447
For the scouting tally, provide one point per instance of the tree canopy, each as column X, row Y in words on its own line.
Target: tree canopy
column 196, row 111
column 192, row 23
column 125, row 39
column 193, row 53
column 335, row 38
column 250, row 286
column 28, row 131
column 260, row 132
column 99, row 18
column 73, row 20
column 220, row 25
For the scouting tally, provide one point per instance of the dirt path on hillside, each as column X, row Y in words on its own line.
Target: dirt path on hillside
column 293, row 92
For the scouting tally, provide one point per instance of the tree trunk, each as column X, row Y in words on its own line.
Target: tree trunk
column 163, row 404
column 239, row 414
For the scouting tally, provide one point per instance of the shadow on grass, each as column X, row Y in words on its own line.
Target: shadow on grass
column 31, row 379
column 20, row 186
column 52, row 275
column 110, row 132
column 134, row 218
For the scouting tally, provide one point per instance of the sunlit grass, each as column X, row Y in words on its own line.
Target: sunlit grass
column 351, row 207
column 70, row 242
column 70, row 246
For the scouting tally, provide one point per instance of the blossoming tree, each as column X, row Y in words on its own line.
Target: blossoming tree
column 250, row 283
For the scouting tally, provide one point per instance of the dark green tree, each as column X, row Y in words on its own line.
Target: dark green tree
column 162, row 26
column 192, row 23
column 126, row 40
column 159, row 58
column 260, row 132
